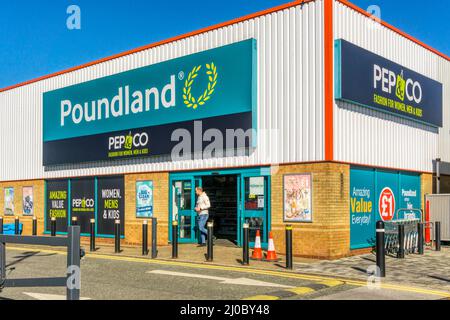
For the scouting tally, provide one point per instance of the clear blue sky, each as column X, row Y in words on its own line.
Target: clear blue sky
column 35, row 41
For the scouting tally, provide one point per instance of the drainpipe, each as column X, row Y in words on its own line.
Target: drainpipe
column 438, row 175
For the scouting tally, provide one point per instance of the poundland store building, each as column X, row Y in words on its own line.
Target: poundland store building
column 308, row 114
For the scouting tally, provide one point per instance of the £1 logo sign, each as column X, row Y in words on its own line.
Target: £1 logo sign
column 386, row 205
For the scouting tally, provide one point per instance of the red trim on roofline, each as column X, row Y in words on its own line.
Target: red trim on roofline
column 389, row 26
column 217, row 26
column 163, row 42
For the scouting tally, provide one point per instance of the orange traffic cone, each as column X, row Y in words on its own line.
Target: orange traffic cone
column 271, row 254
column 257, row 252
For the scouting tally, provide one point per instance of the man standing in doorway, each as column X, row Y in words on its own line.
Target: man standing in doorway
column 201, row 208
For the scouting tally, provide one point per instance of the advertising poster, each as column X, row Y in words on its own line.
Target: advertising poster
column 82, row 201
column 9, row 201
column 410, row 197
column 57, row 204
column 27, row 201
column 144, row 199
column 111, row 204
column 297, row 198
column 362, row 208
column 380, row 195
column 388, row 198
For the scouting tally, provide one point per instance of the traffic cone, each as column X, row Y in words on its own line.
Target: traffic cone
column 257, row 252
column 271, row 254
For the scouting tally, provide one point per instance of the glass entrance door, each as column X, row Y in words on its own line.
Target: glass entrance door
column 183, row 203
column 252, row 201
column 254, row 194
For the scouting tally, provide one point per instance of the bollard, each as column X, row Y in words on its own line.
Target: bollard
column 117, row 236
column 420, row 239
column 245, row 245
column 34, row 232
column 289, row 263
column 53, row 227
column 210, row 251
column 437, row 236
column 381, row 254
column 145, row 238
column 74, row 221
column 401, row 241
column 174, row 239
column 16, row 225
column 427, row 223
column 1, row 225
column 154, row 238
column 92, row 244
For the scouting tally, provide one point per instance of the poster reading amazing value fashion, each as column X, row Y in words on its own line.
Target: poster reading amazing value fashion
column 57, row 204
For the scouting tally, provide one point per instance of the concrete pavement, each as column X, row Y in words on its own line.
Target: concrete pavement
column 432, row 270
column 106, row 276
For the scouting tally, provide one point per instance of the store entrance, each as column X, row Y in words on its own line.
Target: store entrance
column 237, row 197
column 223, row 194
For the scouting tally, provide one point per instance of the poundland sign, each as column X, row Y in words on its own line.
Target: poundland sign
column 367, row 79
column 134, row 113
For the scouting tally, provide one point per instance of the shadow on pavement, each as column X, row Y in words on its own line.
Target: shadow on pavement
column 27, row 255
column 369, row 259
column 360, row 269
column 440, row 278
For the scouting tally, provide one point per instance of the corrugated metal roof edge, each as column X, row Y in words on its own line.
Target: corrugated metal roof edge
column 217, row 26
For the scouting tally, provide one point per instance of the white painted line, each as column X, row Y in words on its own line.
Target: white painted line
column 237, row 281
column 51, row 297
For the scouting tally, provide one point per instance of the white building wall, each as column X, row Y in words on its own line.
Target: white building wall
column 374, row 138
column 290, row 99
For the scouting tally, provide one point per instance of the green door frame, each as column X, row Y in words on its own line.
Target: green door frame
column 264, row 214
column 195, row 176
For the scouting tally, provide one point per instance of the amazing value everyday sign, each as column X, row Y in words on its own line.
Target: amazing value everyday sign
column 380, row 195
column 370, row 80
column 134, row 113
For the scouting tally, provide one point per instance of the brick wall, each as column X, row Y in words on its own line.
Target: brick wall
column 38, row 195
column 133, row 225
column 328, row 236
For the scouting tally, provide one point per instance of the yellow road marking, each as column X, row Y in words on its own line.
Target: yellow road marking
column 281, row 274
column 262, row 297
column 301, row 290
column 331, row 283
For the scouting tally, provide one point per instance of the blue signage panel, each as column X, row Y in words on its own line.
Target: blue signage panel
column 387, row 191
column 370, row 80
column 362, row 207
column 211, row 83
column 410, row 196
column 380, row 195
